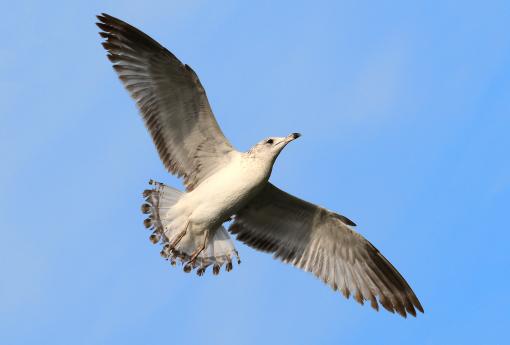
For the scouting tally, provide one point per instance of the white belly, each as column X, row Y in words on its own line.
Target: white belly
column 224, row 193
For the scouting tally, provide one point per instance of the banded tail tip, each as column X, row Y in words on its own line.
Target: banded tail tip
column 146, row 208
column 228, row 266
column 200, row 271
column 155, row 237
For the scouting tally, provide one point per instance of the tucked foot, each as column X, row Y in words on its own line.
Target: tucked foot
column 197, row 252
column 178, row 239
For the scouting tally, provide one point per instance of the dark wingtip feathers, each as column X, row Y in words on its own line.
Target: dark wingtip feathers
column 104, row 17
column 417, row 304
column 403, row 308
column 105, row 27
column 373, row 303
column 344, row 219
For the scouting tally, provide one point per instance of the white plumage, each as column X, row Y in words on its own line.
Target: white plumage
column 222, row 183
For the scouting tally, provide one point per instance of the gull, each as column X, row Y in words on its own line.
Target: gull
column 223, row 184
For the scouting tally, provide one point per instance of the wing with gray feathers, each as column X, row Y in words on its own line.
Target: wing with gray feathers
column 319, row 241
column 172, row 101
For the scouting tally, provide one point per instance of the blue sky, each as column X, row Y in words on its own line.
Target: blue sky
column 405, row 113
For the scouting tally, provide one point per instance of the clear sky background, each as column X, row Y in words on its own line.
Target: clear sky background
column 404, row 108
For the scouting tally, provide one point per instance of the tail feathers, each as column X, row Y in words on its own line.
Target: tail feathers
column 158, row 202
column 166, row 226
column 219, row 251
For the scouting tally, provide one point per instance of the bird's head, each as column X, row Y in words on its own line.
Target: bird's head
column 270, row 148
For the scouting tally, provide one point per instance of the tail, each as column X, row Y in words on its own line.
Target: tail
column 219, row 248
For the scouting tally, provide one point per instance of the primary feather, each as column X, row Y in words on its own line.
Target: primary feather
column 171, row 99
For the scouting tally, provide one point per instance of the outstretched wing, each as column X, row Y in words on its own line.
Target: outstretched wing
column 319, row 241
column 172, row 101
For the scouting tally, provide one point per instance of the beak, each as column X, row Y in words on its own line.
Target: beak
column 292, row 136
column 288, row 139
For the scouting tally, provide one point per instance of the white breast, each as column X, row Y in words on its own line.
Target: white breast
column 225, row 192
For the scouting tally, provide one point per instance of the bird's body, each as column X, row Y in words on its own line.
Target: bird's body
column 215, row 200
column 223, row 183
column 220, row 196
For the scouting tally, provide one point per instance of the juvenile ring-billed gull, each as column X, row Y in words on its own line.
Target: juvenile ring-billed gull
column 224, row 184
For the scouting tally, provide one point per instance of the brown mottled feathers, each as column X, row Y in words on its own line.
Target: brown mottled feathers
column 322, row 242
column 171, row 99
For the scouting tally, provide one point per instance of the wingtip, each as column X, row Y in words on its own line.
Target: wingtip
column 103, row 26
column 101, row 17
column 104, row 15
column 420, row 308
column 411, row 310
column 343, row 219
column 374, row 304
column 104, row 18
column 416, row 303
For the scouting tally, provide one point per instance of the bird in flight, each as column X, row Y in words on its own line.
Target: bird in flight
column 224, row 184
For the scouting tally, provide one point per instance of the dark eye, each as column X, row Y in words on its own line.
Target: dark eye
column 269, row 141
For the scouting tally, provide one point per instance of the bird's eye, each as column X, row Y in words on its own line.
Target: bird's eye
column 269, row 141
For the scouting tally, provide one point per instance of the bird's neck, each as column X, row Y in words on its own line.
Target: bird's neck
column 262, row 165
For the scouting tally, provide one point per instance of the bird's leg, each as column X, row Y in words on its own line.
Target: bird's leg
column 179, row 237
column 199, row 250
